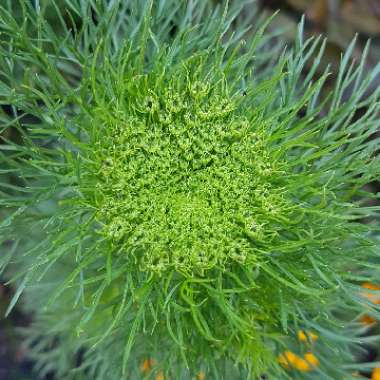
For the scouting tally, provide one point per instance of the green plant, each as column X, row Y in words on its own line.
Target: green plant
column 185, row 192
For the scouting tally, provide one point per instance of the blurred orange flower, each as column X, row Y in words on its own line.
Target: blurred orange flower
column 367, row 320
column 307, row 336
column 371, row 297
column 147, row 365
column 311, row 359
column 289, row 360
column 376, row 374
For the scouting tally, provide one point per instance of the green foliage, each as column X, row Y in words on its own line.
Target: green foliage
column 182, row 193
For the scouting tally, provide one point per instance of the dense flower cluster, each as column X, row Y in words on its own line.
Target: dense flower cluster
column 185, row 179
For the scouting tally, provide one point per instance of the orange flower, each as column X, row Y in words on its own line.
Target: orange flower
column 160, row 376
column 371, row 297
column 289, row 360
column 201, row 376
column 376, row 374
column 307, row 336
column 311, row 359
column 367, row 320
column 147, row 365
column 302, row 365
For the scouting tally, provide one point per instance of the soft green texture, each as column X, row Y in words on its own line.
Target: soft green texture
column 182, row 187
column 185, row 182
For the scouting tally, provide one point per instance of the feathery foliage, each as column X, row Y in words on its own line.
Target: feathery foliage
column 179, row 189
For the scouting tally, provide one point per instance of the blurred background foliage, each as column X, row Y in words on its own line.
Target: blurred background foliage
column 340, row 21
